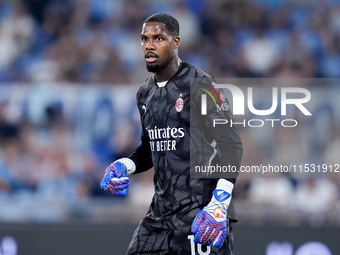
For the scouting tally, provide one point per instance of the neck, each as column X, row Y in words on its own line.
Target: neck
column 169, row 71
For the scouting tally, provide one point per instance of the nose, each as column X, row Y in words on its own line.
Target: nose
column 150, row 45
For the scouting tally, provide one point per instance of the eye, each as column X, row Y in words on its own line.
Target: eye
column 159, row 39
column 144, row 39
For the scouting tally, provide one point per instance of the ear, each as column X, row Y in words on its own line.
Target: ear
column 177, row 40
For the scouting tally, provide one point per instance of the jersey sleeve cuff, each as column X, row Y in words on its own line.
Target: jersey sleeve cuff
column 130, row 165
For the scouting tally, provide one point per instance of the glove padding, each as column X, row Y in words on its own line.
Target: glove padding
column 210, row 224
column 116, row 179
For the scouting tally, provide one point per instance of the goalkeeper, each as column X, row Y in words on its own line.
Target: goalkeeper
column 187, row 215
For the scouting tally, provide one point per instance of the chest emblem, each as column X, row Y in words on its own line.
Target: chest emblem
column 179, row 104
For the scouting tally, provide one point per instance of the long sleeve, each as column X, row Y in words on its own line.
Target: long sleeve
column 230, row 146
column 142, row 155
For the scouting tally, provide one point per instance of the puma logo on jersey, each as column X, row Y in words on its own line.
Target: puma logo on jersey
column 144, row 108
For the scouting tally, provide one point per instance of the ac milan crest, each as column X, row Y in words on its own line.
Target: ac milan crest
column 179, row 104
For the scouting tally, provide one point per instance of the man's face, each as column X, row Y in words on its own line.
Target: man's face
column 158, row 46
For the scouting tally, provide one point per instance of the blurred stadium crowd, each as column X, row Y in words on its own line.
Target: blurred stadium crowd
column 65, row 64
column 89, row 41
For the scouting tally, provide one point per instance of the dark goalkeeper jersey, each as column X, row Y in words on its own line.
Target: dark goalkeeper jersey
column 165, row 145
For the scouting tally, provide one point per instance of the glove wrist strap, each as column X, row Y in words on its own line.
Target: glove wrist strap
column 223, row 191
column 130, row 165
column 225, row 185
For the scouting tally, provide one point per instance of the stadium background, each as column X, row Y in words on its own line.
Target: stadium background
column 69, row 71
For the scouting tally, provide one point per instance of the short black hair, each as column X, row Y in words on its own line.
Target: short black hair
column 171, row 24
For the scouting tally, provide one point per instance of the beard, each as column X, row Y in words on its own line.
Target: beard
column 154, row 68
